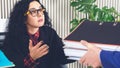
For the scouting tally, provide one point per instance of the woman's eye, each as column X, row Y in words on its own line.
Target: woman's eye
column 34, row 11
column 40, row 10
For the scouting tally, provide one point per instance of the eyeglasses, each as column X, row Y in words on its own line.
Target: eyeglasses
column 35, row 12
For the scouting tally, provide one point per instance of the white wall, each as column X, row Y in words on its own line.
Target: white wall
column 5, row 8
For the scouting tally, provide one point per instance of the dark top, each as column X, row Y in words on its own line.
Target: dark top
column 16, row 49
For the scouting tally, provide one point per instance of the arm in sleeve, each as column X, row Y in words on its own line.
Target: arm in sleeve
column 58, row 47
column 110, row 59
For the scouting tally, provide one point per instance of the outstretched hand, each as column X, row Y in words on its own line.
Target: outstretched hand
column 92, row 57
column 37, row 51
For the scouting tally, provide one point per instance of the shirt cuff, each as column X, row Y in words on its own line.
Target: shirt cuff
column 29, row 62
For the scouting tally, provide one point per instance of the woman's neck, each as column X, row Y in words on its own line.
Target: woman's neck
column 33, row 30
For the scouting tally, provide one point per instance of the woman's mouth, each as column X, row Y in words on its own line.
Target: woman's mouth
column 40, row 20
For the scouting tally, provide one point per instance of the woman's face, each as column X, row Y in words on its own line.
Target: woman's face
column 35, row 15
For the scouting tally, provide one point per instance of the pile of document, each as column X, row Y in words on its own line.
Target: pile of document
column 75, row 50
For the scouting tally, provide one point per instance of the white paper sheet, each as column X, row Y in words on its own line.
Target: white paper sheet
column 75, row 50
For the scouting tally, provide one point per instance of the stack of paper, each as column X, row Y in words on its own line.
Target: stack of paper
column 75, row 50
column 4, row 62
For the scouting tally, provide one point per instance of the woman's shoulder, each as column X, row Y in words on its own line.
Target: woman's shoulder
column 47, row 28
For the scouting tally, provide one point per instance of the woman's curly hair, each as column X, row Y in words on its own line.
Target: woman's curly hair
column 17, row 30
column 16, row 25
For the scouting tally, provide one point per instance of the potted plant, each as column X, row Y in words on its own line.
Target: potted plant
column 93, row 12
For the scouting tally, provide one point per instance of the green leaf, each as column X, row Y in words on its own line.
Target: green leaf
column 74, row 21
column 93, row 12
column 79, row 7
column 89, row 1
column 74, row 4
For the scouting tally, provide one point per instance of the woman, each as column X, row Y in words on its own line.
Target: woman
column 30, row 41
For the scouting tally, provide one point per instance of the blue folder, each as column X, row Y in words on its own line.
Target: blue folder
column 4, row 61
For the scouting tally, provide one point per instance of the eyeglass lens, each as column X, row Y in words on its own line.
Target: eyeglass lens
column 35, row 12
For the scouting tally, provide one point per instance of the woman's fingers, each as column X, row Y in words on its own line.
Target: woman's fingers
column 43, row 48
column 38, row 50
column 38, row 44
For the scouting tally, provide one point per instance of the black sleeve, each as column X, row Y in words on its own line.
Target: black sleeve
column 58, row 49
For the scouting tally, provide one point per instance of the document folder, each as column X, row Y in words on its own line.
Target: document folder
column 4, row 61
column 104, row 35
